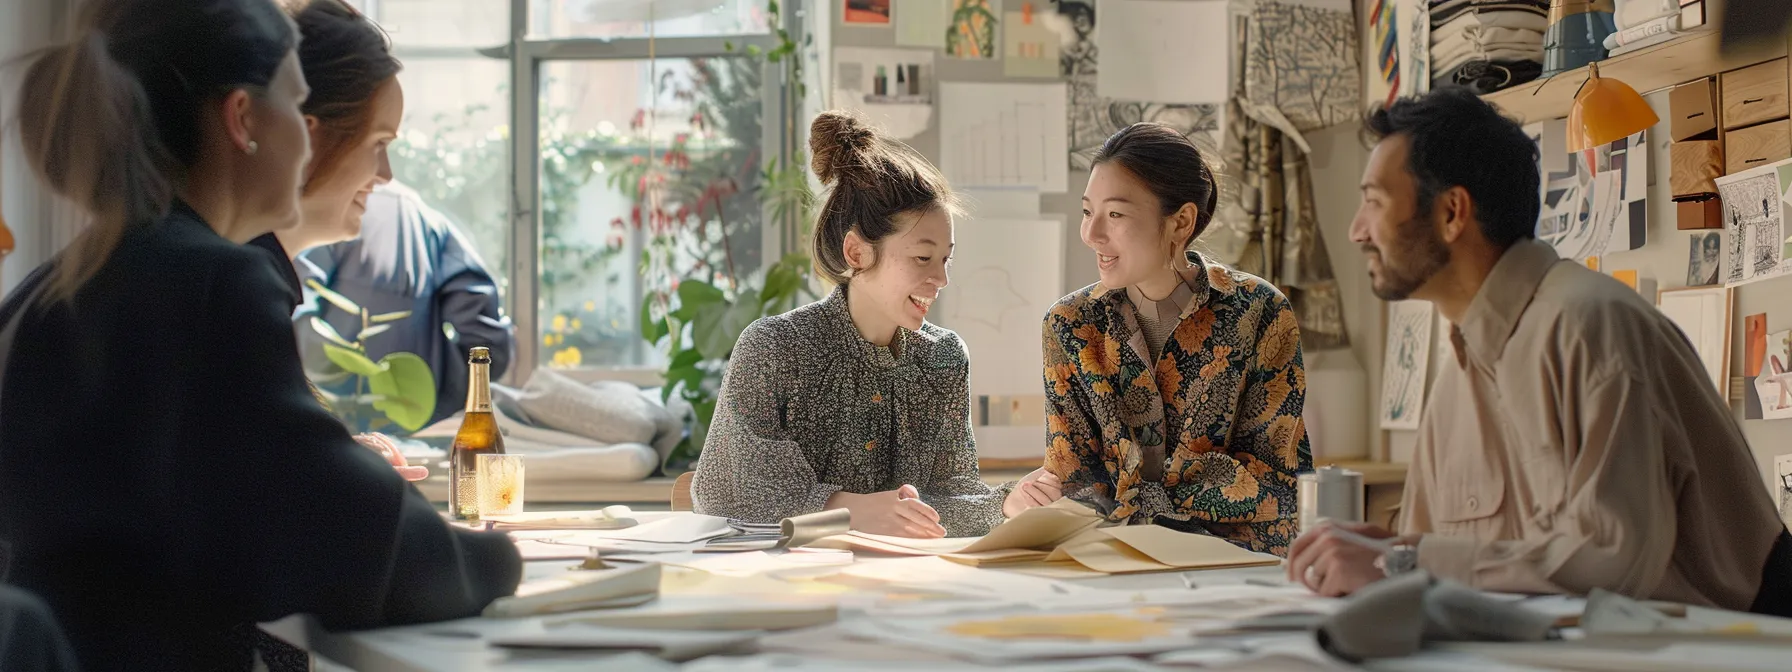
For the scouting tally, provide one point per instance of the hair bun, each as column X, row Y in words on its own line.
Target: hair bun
column 836, row 141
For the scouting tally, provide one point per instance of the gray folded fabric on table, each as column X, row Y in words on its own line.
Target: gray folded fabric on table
column 1395, row 617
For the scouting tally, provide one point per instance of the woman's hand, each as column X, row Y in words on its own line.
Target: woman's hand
column 388, row 449
column 897, row 513
column 1038, row 489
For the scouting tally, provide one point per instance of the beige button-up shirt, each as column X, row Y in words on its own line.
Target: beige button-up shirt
column 1576, row 443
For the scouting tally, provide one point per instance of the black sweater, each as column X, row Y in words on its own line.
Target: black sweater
column 166, row 475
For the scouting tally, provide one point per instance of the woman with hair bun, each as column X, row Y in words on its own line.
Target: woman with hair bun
column 857, row 402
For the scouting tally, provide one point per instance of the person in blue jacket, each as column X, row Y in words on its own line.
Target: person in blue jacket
column 409, row 257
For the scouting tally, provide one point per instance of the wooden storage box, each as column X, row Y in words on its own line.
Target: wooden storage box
column 1694, row 109
column 1754, row 94
column 1757, row 146
column 1696, row 165
column 1696, row 215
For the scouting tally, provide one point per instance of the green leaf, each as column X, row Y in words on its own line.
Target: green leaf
column 329, row 333
column 389, row 317
column 718, row 341
column 728, row 45
column 683, row 369
column 373, row 331
column 351, row 361
column 771, row 7
column 408, row 387
column 694, row 295
column 330, row 295
column 754, row 50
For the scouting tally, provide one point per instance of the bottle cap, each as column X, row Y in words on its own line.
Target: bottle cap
column 479, row 354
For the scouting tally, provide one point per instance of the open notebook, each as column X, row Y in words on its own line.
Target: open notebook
column 1066, row 532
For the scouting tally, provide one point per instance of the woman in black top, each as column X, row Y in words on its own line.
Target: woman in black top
column 165, row 474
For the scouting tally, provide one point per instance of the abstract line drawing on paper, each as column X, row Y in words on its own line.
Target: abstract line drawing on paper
column 993, row 301
column 1754, row 224
column 1407, row 358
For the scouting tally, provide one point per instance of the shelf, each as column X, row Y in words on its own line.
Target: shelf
column 1677, row 61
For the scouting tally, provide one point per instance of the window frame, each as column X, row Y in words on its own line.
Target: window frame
column 526, row 54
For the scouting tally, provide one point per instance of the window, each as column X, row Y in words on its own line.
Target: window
column 651, row 134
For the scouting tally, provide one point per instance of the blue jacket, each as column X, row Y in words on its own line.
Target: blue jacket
column 409, row 257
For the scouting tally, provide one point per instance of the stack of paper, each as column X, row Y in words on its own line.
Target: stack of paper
column 579, row 590
column 677, row 646
column 1067, row 533
column 608, row 518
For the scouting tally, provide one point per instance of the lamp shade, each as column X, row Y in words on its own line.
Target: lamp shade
column 1605, row 111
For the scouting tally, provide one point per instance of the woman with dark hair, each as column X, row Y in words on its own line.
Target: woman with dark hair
column 1174, row 386
column 351, row 116
column 857, row 402
column 166, row 477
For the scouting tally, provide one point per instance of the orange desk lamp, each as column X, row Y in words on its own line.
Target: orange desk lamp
column 1605, row 111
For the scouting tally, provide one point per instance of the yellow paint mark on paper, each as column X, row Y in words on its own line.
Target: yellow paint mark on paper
column 1094, row 627
column 1626, row 277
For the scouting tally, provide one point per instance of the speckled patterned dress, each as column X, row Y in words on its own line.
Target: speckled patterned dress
column 1209, row 437
column 809, row 408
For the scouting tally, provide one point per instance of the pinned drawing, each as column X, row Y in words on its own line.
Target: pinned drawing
column 1703, row 316
column 1590, row 213
column 1003, row 135
column 1774, row 384
column 1092, row 118
column 1302, row 61
column 1381, row 51
column 1754, row 223
column 1704, row 258
column 973, row 31
column 1029, row 49
column 866, row 12
column 1782, row 481
column 1415, row 47
column 1405, row 364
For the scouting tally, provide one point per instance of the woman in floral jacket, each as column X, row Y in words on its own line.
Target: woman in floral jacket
column 1174, row 386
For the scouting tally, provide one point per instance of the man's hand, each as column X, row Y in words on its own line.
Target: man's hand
column 1331, row 565
column 897, row 513
column 1037, row 489
column 388, row 449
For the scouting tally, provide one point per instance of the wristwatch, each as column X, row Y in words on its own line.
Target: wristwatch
column 1400, row 559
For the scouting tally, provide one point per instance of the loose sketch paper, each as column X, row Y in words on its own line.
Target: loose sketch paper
column 1404, row 365
column 1004, row 135
column 1782, row 486
column 1029, row 49
column 1172, row 51
column 922, row 23
column 1754, row 223
column 972, row 34
column 1591, row 213
column 997, row 204
column 1704, row 258
column 1414, row 38
column 1774, row 385
column 1703, row 314
column 902, row 114
column 1006, row 274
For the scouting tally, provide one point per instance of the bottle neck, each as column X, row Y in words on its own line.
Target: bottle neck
column 479, row 388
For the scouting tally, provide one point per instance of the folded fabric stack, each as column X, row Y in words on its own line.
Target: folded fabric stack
column 1487, row 45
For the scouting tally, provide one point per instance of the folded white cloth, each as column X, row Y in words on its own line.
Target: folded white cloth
column 606, row 412
column 1507, row 19
column 619, row 463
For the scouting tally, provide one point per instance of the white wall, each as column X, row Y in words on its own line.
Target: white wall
column 24, row 25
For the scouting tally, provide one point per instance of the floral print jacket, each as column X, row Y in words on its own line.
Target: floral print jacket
column 1221, row 407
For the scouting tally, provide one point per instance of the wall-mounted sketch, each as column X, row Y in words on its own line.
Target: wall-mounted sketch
column 1592, row 213
column 1381, row 53
column 1405, row 364
column 1704, row 258
column 1754, row 223
column 1415, row 47
column 866, row 12
column 972, row 34
column 1302, row 62
column 1029, row 49
column 1782, row 482
column 1703, row 315
column 1093, row 118
column 1774, row 385
column 1003, row 135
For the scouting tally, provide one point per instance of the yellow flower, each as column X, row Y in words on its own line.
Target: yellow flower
column 575, row 324
column 547, row 340
column 590, row 306
column 1100, row 355
column 559, row 323
column 568, row 358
